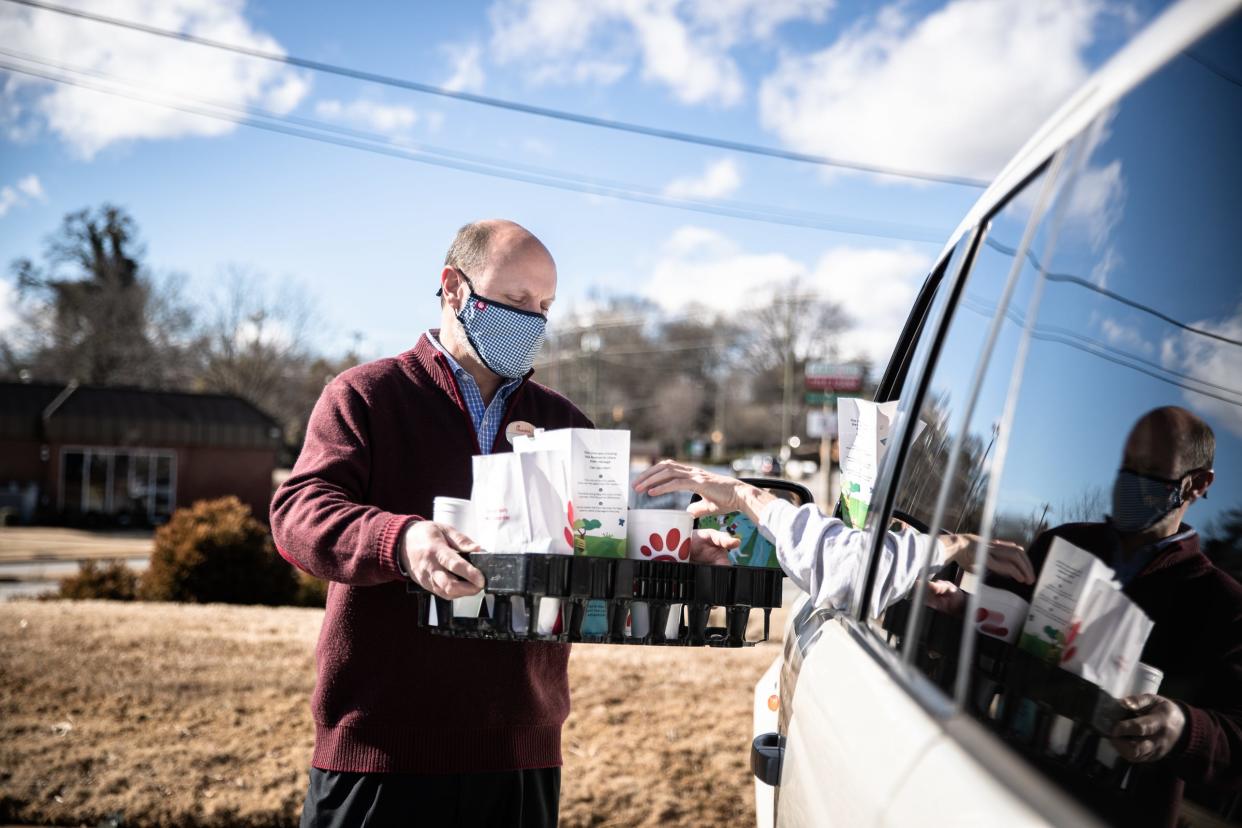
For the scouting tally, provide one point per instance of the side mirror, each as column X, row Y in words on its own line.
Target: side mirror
column 795, row 493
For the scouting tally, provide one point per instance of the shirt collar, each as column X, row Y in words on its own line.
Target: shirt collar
column 1183, row 532
column 505, row 387
column 435, row 343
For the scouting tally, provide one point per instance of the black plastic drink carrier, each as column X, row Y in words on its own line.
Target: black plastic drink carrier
column 1019, row 696
column 577, row 581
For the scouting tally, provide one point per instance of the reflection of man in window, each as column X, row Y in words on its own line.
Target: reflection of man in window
column 1192, row 731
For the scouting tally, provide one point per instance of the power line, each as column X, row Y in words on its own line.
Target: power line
column 369, row 142
column 501, row 103
column 1069, row 278
column 919, row 233
column 1099, row 349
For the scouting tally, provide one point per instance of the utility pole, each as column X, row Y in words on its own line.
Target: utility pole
column 787, row 381
column 589, row 344
column 718, row 421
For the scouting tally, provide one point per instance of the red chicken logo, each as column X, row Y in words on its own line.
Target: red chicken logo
column 671, row 547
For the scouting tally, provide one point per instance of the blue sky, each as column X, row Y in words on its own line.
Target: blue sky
column 950, row 88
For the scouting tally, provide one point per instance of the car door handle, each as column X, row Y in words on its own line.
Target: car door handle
column 767, row 753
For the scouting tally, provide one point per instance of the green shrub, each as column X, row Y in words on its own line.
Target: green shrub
column 113, row 581
column 215, row 551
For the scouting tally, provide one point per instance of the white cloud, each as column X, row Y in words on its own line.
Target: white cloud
column 875, row 286
column 958, row 91
column 394, row 120
column 1214, row 361
column 20, row 194
column 720, row 179
column 685, row 46
column 1125, row 337
column 88, row 121
column 8, row 199
column 8, row 306
column 700, row 266
column 580, row 72
column 31, row 187
column 467, row 68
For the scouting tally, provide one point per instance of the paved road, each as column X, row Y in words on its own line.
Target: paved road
column 42, row 543
column 34, row 559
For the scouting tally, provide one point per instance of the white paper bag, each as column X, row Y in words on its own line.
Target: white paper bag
column 499, row 497
column 590, row 469
column 1105, row 644
column 544, row 474
column 864, row 429
column 1064, row 584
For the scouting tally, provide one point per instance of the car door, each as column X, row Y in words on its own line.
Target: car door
column 863, row 718
column 1134, row 317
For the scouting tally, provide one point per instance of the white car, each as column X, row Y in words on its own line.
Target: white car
column 1097, row 279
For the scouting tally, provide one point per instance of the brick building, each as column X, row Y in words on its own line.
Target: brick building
column 127, row 456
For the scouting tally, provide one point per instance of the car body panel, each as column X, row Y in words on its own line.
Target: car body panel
column 765, row 721
column 831, row 759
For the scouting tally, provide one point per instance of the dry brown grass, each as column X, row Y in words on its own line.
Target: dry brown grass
column 197, row 715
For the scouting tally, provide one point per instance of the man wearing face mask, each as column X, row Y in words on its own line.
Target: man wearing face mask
column 411, row 728
column 1191, row 732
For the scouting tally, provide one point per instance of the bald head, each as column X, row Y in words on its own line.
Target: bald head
column 504, row 261
column 1170, row 442
column 491, row 242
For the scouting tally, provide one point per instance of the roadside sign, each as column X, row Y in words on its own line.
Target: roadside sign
column 821, row 423
column 827, row 376
column 821, row 398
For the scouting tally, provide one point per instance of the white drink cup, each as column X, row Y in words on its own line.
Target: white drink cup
column 1146, row 679
column 459, row 513
column 649, row 534
column 1002, row 614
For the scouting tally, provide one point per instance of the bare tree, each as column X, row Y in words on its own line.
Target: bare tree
column 256, row 346
column 85, row 311
column 1088, row 506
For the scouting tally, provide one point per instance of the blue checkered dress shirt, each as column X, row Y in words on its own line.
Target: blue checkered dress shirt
column 487, row 418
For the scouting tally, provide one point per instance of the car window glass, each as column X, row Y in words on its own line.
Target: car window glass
column 1135, row 357
column 911, row 352
column 941, row 420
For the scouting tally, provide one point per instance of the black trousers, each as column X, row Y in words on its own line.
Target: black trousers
column 507, row 799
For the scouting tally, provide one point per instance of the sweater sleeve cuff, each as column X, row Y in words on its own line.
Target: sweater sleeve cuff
column 389, row 551
column 1194, row 739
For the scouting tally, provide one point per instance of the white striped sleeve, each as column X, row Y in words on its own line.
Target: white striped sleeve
column 825, row 558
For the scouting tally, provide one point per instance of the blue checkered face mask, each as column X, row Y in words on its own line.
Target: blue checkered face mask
column 506, row 339
column 1140, row 501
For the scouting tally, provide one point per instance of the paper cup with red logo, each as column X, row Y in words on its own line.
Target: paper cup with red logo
column 1001, row 614
column 459, row 513
column 657, row 535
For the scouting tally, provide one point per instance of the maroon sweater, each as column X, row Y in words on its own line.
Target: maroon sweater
column 1197, row 643
column 385, row 439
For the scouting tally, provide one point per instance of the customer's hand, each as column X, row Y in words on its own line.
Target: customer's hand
column 1151, row 735
column 719, row 492
column 1004, row 557
column 431, row 555
column 944, row 596
column 711, row 546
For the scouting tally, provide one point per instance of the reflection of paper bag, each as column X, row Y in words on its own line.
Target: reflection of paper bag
column 1064, row 584
column 1109, row 641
